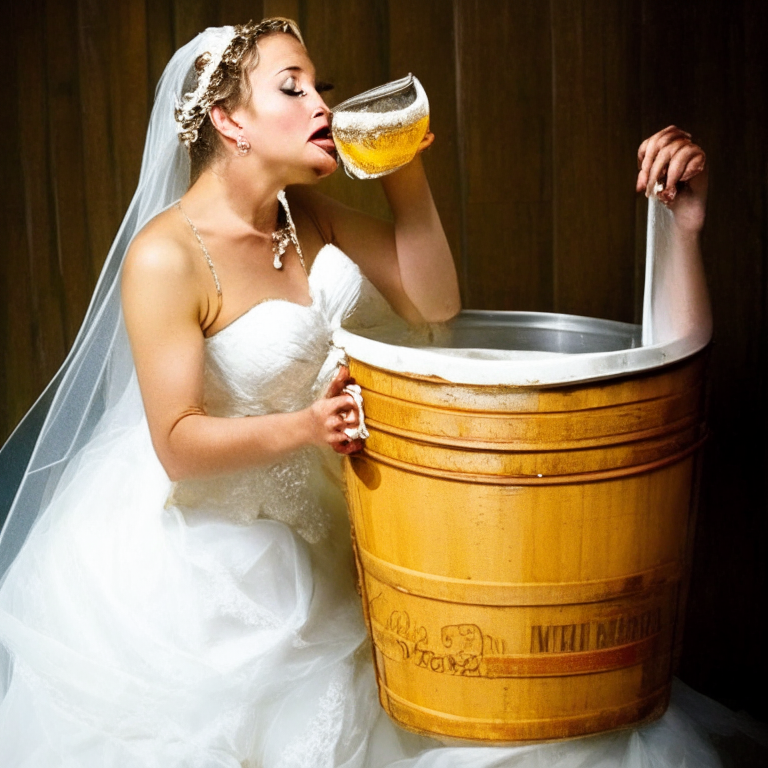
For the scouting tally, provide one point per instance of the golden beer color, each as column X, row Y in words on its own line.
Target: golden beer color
column 381, row 151
column 522, row 552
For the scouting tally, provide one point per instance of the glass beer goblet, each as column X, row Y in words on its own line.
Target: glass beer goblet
column 380, row 130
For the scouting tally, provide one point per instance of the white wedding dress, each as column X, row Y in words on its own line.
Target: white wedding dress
column 214, row 623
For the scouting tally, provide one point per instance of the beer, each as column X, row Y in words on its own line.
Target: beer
column 380, row 130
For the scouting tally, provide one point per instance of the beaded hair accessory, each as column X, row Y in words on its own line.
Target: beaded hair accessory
column 222, row 59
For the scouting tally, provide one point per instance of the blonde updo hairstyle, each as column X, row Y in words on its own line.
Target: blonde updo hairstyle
column 229, row 87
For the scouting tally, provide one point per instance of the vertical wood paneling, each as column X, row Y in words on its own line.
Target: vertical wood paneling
column 65, row 141
column 18, row 363
column 506, row 128
column 242, row 11
column 348, row 43
column 722, row 102
column 289, row 9
column 596, row 133
column 160, row 43
column 421, row 41
column 190, row 17
column 100, row 180
column 41, row 320
column 130, row 109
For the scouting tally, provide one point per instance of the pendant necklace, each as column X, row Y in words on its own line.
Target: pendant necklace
column 285, row 235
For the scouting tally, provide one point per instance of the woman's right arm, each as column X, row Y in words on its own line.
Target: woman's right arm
column 164, row 306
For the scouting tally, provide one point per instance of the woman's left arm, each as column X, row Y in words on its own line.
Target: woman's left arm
column 408, row 260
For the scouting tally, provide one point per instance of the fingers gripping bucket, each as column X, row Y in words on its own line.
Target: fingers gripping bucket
column 522, row 550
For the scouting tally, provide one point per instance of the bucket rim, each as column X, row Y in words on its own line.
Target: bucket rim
column 525, row 368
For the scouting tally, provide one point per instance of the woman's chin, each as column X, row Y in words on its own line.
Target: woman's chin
column 323, row 169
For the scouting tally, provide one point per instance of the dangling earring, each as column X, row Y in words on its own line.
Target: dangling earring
column 243, row 147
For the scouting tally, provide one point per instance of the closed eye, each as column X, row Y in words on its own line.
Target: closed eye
column 289, row 87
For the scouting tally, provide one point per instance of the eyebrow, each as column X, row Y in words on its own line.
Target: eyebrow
column 320, row 85
column 289, row 69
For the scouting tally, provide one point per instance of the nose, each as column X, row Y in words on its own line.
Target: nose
column 321, row 109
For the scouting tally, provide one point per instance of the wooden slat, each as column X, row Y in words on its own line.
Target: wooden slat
column 160, row 42
column 290, row 9
column 45, row 311
column 129, row 103
column 719, row 95
column 190, row 17
column 242, row 11
column 65, row 141
column 18, row 378
column 104, row 207
column 505, row 122
column 421, row 41
column 596, row 134
column 348, row 43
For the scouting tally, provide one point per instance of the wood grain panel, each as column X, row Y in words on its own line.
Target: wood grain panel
column 130, row 110
column 18, row 374
column 101, row 183
column 596, row 134
column 722, row 102
column 45, row 311
column 348, row 41
column 504, row 79
column 65, row 140
column 190, row 17
column 160, row 43
column 289, row 9
column 421, row 41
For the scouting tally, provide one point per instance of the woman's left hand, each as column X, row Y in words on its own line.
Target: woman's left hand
column 670, row 158
column 345, row 417
column 426, row 142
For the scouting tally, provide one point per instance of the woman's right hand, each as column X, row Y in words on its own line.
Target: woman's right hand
column 333, row 413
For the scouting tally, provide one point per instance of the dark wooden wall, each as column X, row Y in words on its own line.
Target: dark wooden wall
column 538, row 108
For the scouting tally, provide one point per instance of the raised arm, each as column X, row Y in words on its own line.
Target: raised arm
column 165, row 305
column 681, row 300
column 409, row 260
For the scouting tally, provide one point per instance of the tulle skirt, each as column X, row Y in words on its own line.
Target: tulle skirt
column 142, row 636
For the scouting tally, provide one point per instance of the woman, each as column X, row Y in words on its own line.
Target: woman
column 186, row 596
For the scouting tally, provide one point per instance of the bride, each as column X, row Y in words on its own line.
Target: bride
column 178, row 587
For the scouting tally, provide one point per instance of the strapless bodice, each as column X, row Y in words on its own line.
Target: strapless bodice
column 269, row 359
column 276, row 358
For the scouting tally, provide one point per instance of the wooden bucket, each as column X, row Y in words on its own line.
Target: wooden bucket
column 522, row 551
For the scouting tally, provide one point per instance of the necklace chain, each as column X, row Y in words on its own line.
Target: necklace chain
column 281, row 239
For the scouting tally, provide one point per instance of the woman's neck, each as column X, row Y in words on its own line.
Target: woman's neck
column 234, row 194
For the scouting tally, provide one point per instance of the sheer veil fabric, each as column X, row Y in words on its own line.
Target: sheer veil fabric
column 149, row 625
column 99, row 369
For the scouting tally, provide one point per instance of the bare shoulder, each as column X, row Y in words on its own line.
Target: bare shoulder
column 160, row 251
column 163, row 279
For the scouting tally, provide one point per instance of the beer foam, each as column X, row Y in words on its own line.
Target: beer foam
column 352, row 126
